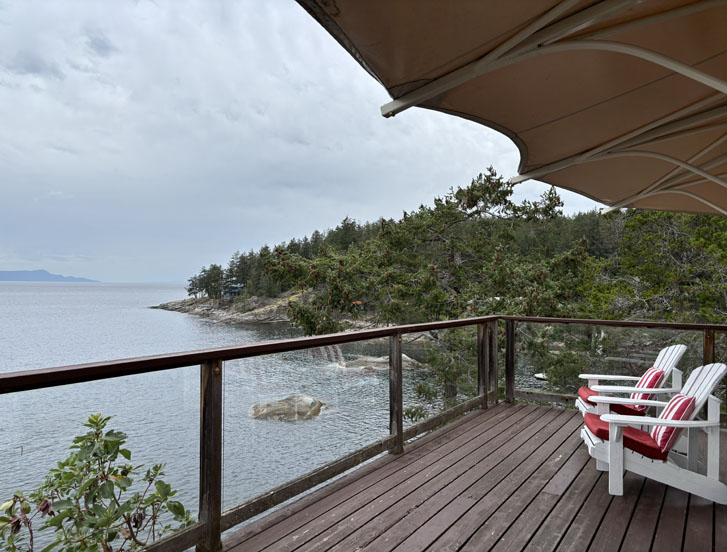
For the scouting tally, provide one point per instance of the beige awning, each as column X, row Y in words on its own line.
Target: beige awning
column 623, row 101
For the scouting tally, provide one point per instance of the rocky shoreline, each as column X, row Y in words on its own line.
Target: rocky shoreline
column 255, row 310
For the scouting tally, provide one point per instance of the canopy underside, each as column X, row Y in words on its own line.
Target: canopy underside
column 624, row 101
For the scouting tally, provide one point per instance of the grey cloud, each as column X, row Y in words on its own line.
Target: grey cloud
column 100, row 44
column 63, row 149
column 30, row 63
column 189, row 132
column 82, row 67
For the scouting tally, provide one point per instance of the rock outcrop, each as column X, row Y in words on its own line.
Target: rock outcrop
column 253, row 310
column 293, row 407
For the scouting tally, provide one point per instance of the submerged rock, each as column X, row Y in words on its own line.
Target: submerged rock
column 294, row 407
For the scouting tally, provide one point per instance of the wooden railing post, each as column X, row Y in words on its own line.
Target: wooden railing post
column 396, row 399
column 483, row 384
column 510, row 361
column 210, row 456
column 708, row 349
column 492, row 368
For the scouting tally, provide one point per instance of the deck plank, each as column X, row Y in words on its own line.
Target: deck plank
column 586, row 523
column 720, row 527
column 615, row 523
column 395, row 504
column 510, row 478
column 396, row 525
column 447, row 531
column 551, row 532
column 641, row 530
column 292, row 516
column 355, row 508
column 698, row 532
column 510, row 509
column 524, row 527
column 369, row 523
column 670, row 529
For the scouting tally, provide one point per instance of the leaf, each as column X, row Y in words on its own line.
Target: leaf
column 59, row 505
column 125, row 453
column 177, row 509
column 50, row 547
column 107, row 489
column 98, row 510
column 163, row 489
column 123, row 483
column 57, row 520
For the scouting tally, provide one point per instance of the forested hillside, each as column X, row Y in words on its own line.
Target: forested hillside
column 476, row 252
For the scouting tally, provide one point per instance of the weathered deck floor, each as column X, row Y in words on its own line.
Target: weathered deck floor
column 509, row 478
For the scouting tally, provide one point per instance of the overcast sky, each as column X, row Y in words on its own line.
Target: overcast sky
column 142, row 140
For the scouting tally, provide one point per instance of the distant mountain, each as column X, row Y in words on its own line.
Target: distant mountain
column 37, row 276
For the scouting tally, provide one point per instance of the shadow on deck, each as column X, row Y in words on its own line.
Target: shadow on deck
column 508, row 478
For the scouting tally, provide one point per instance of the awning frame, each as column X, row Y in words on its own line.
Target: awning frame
column 545, row 36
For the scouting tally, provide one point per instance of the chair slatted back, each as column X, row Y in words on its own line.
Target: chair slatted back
column 668, row 358
column 702, row 381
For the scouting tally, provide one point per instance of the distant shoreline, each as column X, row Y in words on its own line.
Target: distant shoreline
column 40, row 276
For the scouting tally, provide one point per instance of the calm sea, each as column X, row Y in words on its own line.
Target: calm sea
column 44, row 325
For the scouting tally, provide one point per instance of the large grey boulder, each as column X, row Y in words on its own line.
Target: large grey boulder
column 294, row 407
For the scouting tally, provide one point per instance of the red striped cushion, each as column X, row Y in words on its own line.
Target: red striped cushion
column 652, row 378
column 680, row 407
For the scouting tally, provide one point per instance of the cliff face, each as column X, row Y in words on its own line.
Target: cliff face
column 253, row 310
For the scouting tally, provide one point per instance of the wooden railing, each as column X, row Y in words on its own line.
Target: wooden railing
column 205, row 535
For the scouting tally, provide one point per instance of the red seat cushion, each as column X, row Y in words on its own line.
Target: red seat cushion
column 634, row 439
column 586, row 393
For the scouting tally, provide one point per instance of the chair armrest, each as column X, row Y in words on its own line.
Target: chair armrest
column 606, row 377
column 627, row 389
column 598, row 399
column 617, row 419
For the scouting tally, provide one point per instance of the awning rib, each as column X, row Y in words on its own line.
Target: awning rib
column 667, row 158
column 685, row 114
column 518, row 45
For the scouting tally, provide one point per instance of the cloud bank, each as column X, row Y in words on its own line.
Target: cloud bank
column 142, row 140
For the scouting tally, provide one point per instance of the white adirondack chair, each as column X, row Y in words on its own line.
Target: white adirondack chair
column 625, row 447
column 589, row 401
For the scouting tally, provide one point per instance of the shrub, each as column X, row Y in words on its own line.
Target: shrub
column 90, row 501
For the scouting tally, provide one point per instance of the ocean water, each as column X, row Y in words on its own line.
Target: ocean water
column 44, row 325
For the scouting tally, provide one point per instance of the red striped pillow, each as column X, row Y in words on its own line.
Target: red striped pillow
column 680, row 407
column 652, row 378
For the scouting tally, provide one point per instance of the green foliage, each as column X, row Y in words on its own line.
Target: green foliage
column 89, row 501
column 475, row 251
column 669, row 267
column 455, row 259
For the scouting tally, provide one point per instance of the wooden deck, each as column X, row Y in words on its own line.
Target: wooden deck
column 509, row 478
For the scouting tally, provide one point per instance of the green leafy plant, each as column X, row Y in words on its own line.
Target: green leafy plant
column 90, row 502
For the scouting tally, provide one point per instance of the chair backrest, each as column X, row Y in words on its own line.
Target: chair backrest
column 664, row 364
column 702, row 381
column 669, row 357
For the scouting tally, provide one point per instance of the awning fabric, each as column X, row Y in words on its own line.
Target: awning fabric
column 623, row 101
